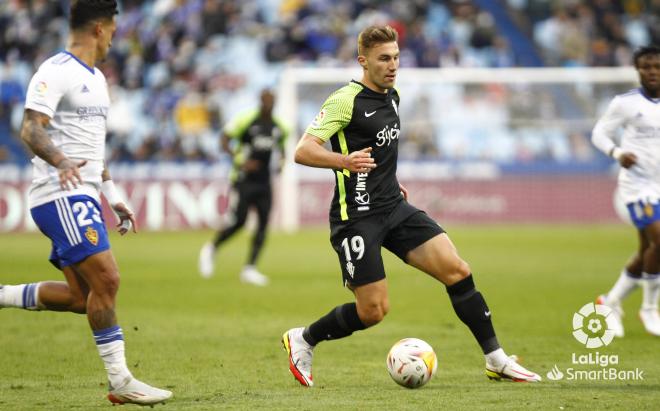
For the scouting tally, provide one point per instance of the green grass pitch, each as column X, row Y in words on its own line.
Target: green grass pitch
column 216, row 343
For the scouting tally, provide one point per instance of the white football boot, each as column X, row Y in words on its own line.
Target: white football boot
column 206, row 262
column 137, row 392
column 616, row 317
column 251, row 275
column 300, row 356
column 651, row 320
column 512, row 371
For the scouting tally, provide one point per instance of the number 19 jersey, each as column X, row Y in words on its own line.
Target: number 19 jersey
column 353, row 118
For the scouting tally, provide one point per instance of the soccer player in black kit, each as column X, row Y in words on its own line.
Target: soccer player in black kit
column 255, row 135
column 370, row 210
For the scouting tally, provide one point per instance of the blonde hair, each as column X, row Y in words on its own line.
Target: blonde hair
column 374, row 35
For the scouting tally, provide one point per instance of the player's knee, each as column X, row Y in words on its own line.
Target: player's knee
column 463, row 268
column 459, row 269
column 110, row 284
column 372, row 314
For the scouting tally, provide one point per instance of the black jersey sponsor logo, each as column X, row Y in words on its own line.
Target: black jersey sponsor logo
column 361, row 193
column 362, row 198
column 262, row 143
column 387, row 135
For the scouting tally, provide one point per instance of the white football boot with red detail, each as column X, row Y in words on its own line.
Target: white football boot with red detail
column 300, row 356
column 512, row 371
column 137, row 392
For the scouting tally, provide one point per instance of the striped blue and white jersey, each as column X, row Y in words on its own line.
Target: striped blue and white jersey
column 75, row 97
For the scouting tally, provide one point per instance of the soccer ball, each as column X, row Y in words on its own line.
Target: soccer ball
column 411, row 362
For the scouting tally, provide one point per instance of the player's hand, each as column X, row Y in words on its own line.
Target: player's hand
column 251, row 165
column 627, row 160
column 404, row 191
column 126, row 218
column 359, row 161
column 69, row 173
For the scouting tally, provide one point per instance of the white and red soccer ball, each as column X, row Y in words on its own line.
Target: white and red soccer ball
column 411, row 362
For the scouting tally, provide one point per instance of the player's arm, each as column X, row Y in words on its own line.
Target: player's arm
column 310, row 152
column 124, row 213
column 34, row 135
column 605, row 131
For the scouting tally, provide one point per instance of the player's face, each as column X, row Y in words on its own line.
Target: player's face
column 648, row 67
column 267, row 101
column 106, row 32
column 381, row 64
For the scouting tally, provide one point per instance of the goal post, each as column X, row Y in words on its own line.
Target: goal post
column 466, row 123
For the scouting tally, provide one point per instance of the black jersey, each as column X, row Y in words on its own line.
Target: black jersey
column 256, row 138
column 356, row 117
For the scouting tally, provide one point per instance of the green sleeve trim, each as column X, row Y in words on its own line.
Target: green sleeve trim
column 335, row 113
column 240, row 123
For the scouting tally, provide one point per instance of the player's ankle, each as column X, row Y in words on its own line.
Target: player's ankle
column 496, row 358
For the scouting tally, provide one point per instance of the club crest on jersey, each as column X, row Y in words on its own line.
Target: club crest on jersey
column 318, row 120
column 92, row 235
column 648, row 210
column 350, row 268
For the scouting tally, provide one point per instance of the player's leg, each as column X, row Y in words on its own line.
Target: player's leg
column 651, row 280
column 342, row 321
column 102, row 275
column 48, row 295
column 358, row 247
column 628, row 281
column 422, row 243
column 89, row 256
column 64, row 296
column 54, row 219
column 438, row 257
column 262, row 203
column 235, row 219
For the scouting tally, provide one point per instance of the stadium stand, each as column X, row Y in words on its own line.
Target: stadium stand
column 179, row 69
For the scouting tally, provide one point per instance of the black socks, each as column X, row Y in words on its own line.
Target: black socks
column 471, row 308
column 341, row 322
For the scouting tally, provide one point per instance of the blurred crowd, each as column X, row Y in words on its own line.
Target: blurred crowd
column 589, row 32
column 180, row 69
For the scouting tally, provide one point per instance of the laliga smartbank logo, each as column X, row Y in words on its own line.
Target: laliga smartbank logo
column 593, row 327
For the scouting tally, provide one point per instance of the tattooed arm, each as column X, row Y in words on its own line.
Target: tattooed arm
column 33, row 133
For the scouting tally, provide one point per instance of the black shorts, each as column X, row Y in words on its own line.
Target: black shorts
column 358, row 243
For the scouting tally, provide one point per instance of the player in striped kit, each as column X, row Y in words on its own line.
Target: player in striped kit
column 637, row 112
column 65, row 127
